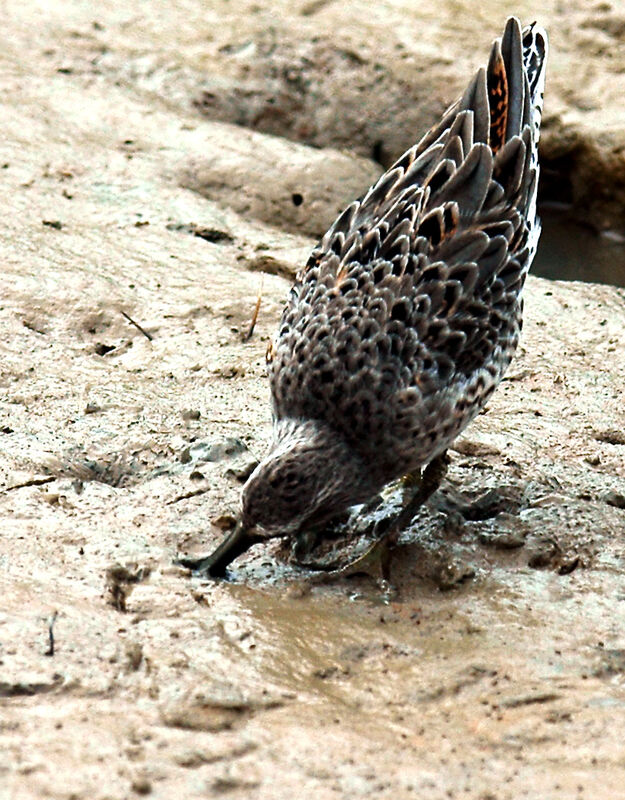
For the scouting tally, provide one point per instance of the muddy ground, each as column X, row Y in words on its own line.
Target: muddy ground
column 497, row 670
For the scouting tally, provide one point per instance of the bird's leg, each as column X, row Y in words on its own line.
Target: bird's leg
column 410, row 484
column 306, row 541
column 420, row 490
column 304, row 544
column 376, row 560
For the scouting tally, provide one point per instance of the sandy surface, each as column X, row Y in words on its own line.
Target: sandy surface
column 497, row 672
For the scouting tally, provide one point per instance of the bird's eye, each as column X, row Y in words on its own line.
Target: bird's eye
column 285, row 481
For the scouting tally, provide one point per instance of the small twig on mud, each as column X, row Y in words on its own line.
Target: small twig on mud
column 52, row 620
column 246, row 337
column 186, row 496
column 137, row 326
column 32, row 482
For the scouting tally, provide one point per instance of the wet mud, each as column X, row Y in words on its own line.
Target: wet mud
column 140, row 226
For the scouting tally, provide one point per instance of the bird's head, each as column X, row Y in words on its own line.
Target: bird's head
column 309, row 476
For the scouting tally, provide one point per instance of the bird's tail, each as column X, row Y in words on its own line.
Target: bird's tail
column 505, row 96
column 535, row 50
column 515, row 79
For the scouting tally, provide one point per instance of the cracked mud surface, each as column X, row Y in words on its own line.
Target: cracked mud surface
column 138, row 225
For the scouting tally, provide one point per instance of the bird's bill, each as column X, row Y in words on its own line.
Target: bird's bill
column 233, row 545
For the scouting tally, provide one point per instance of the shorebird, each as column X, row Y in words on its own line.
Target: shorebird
column 407, row 314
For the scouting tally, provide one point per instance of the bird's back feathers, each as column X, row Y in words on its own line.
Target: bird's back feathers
column 408, row 311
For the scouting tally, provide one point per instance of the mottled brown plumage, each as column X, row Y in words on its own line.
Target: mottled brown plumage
column 408, row 311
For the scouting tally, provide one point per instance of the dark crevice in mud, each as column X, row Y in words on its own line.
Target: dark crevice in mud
column 582, row 195
column 314, row 93
column 556, row 186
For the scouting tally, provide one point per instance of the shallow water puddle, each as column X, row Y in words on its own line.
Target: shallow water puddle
column 569, row 251
column 366, row 656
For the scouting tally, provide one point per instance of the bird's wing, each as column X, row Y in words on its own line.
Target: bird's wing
column 435, row 255
column 451, row 227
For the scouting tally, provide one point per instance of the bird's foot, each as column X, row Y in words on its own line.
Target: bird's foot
column 374, row 562
column 307, row 541
column 333, row 562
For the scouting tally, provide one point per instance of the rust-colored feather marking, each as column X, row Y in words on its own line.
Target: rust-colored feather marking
column 497, row 99
column 341, row 275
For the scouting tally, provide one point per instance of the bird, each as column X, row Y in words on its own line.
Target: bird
column 407, row 314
